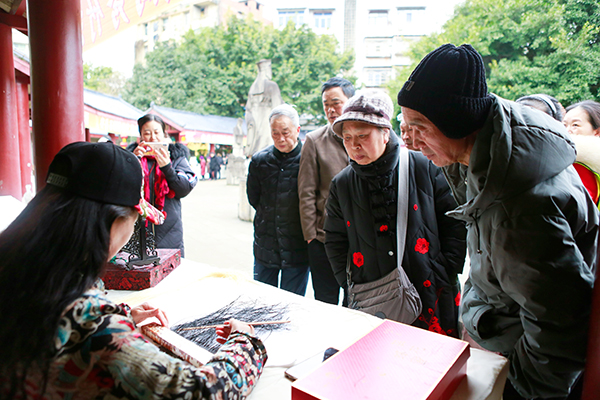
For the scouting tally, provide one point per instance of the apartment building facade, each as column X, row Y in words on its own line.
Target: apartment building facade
column 379, row 32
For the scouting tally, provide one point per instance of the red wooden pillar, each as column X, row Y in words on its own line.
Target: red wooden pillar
column 56, row 78
column 10, row 171
column 591, row 374
column 25, row 154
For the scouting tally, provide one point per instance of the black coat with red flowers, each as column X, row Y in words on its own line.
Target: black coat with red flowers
column 361, row 230
column 272, row 189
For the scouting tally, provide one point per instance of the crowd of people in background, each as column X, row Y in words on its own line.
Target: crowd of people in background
column 486, row 175
column 513, row 184
column 209, row 167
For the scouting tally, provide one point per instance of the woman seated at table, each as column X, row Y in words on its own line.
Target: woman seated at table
column 61, row 338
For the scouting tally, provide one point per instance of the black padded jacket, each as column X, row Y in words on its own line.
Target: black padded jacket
column 272, row 188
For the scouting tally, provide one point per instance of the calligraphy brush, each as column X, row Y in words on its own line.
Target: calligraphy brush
column 249, row 323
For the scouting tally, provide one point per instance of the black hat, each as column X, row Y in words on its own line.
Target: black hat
column 102, row 172
column 449, row 88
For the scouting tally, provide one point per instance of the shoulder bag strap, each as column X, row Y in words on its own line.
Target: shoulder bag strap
column 402, row 218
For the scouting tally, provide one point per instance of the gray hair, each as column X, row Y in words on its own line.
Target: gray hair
column 285, row 110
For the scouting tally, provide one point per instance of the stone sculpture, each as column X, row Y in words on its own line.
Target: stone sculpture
column 236, row 162
column 263, row 96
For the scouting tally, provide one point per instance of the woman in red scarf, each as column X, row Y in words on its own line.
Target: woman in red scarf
column 167, row 178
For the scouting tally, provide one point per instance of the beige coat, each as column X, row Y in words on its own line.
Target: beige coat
column 588, row 150
column 323, row 156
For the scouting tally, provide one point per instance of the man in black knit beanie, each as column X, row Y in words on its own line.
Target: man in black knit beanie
column 532, row 228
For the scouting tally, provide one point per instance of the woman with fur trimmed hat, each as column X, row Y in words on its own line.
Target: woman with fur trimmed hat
column 362, row 210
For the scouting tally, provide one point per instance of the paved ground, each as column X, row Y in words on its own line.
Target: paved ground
column 212, row 232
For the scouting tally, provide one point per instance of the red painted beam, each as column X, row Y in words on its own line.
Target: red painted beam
column 10, row 171
column 14, row 21
column 56, row 78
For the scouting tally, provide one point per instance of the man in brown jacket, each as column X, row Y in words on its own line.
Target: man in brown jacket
column 323, row 156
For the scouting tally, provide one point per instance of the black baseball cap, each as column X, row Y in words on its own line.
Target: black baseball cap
column 102, row 172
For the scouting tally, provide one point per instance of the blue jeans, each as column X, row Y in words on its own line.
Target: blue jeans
column 293, row 280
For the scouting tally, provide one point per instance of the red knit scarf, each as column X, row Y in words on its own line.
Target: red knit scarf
column 161, row 186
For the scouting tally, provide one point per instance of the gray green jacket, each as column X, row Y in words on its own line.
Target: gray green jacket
column 532, row 232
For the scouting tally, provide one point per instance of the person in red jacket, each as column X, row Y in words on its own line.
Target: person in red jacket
column 583, row 123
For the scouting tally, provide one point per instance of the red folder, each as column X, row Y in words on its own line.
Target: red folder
column 393, row 361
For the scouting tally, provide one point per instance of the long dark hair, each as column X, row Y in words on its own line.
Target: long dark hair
column 49, row 256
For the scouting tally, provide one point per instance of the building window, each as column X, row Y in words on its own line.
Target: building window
column 378, row 18
column 155, row 26
column 409, row 14
column 377, row 77
column 146, row 29
column 296, row 16
column 378, row 47
column 165, row 22
column 322, row 20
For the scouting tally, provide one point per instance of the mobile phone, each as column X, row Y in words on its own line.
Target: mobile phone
column 152, row 148
column 307, row 366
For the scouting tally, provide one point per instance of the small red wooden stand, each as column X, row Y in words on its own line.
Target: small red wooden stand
column 118, row 277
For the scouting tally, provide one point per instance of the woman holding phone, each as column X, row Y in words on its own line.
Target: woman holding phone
column 168, row 177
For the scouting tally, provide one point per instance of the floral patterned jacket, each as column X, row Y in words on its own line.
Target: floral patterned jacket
column 101, row 355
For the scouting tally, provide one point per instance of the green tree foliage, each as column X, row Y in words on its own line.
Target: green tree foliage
column 528, row 46
column 210, row 72
column 102, row 79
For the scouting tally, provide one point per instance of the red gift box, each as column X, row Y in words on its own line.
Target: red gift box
column 117, row 277
column 393, row 361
